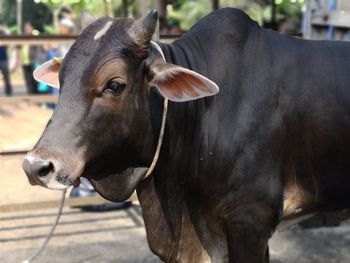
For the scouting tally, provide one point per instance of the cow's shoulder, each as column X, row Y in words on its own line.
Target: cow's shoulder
column 222, row 23
column 226, row 19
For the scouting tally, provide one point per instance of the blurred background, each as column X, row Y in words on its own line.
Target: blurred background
column 34, row 31
column 92, row 229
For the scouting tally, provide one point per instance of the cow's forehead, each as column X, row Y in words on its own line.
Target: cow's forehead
column 104, row 39
column 104, row 34
column 101, row 26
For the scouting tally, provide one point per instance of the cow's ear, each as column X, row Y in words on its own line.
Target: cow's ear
column 180, row 84
column 48, row 72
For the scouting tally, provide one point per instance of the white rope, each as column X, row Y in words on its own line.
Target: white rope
column 160, row 140
column 162, row 127
column 50, row 234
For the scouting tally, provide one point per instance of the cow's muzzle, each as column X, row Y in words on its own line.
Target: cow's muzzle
column 53, row 171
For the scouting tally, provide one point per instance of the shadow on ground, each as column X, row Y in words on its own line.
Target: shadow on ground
column 119, row 237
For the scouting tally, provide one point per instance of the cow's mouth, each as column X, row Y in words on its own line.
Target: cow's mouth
column 118, row 186
column 59, row 172
column 53, row 173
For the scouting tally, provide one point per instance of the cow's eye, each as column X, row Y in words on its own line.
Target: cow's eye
column 114, row 87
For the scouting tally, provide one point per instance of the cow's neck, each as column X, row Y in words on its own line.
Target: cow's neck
column 164, row 196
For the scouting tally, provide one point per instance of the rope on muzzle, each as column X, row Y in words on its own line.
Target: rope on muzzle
column 50, row 234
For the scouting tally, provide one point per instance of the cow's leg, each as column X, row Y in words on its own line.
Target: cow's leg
column 248, row 230
column 246, row 243
column 267, row 255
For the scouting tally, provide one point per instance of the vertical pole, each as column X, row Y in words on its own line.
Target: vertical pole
column 124, row 8
column 332, row 7
column 19, row 16
column 160, row 6
column 215, row 4
column 273, row 15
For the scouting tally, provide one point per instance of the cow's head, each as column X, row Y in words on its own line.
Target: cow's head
column 101, row 127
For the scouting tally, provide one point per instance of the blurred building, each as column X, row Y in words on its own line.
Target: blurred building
column 327, row 19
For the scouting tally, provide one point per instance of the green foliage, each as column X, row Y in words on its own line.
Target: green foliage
column 189, row 12
column 8, row 12
column 289, row 10
column 37, row 14
column 50, row 29
column 13, row 29
column 95, row 8
column 254, row 8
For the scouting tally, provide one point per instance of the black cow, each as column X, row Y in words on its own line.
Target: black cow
column 273, row 144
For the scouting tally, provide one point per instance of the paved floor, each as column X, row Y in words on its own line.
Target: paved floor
column 119, row 236
column 319, row 245
column 114, row 236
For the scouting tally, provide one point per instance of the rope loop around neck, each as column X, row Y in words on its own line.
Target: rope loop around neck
column 160, row 140
column 162, row 127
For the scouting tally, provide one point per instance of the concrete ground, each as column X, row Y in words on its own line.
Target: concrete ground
column 119, row 236
column 318, row 245
column 114, row 236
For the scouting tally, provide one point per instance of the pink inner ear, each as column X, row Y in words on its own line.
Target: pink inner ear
column 180, row 84
column 48, row 73
column 196, row 82
column 169, row 86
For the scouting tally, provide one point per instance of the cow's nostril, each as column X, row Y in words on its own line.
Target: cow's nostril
column 42, row 168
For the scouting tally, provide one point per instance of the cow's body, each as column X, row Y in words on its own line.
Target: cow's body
column 273, row 144
column 279, row 130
